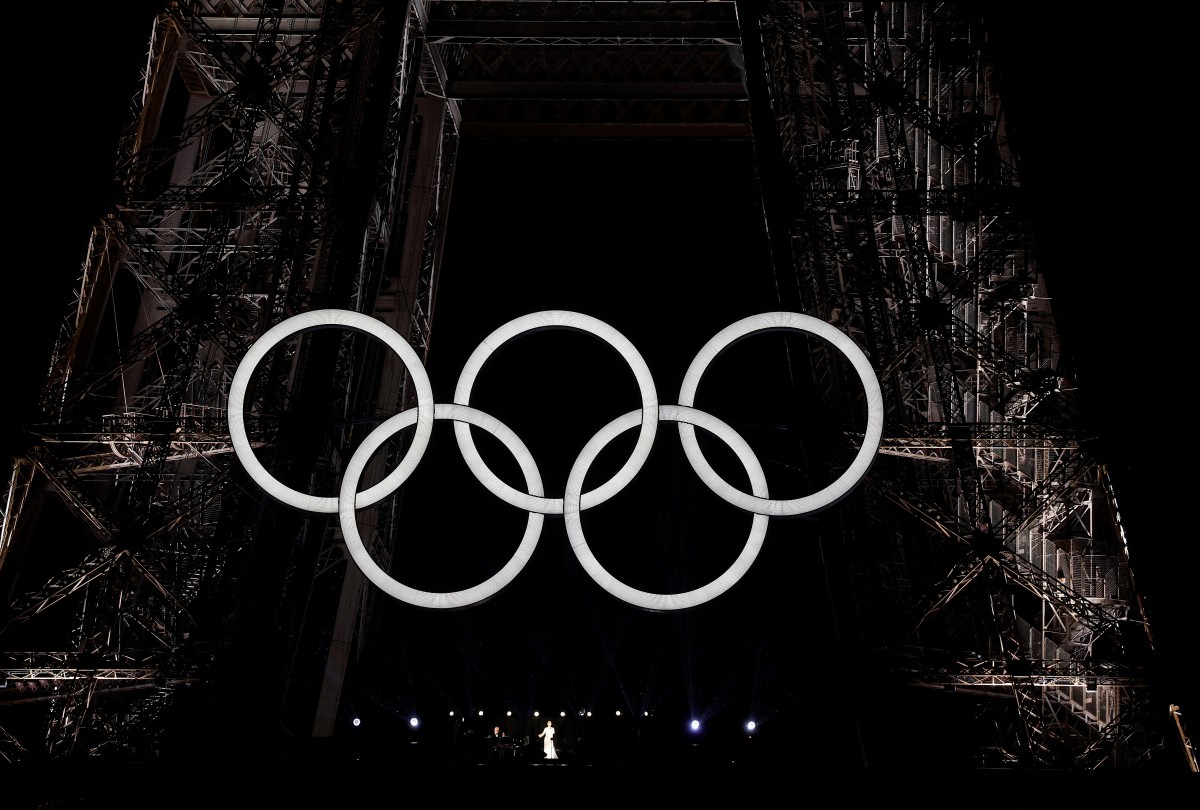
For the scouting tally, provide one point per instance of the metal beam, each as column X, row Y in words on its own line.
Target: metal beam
column 613, row 32
column 596, row 91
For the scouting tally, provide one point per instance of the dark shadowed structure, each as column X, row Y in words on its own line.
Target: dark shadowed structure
column 893, row 170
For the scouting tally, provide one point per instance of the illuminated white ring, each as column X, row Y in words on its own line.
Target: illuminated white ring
column 646, row 599
column 432, row 599
column 770, row 322
column 328, row 318
column 558, row 319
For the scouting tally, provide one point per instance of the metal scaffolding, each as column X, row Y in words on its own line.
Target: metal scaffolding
column 997, row 564
column 288, row 156
column 280, row 157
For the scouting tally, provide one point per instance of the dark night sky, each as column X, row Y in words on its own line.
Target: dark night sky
column 1096, row 119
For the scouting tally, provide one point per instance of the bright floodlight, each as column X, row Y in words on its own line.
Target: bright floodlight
column 537, row 714
column 510, row 714
column 356, row 721
column 618, row 712
column 481, row 712
column 695, row 725
column 562, row 714
column 412, row 721
column 751, row 726
column 589, row 714
column 451, row 712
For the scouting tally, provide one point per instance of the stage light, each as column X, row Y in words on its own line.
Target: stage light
column 751, row 726
column 481, row 712
column 537, row 714
column 510, row 714
column 412, row 721
column 589, row 714
column 695, row 725
column 356, row 722
column 562, row 714
column 618, row 712
column 645, row 714
column 451, row 712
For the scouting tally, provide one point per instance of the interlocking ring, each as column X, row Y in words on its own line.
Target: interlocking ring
column 574, row 499
column 328, row 319
column 431, row 599
column 558, row 319
column 776, row 322
column 645, row 599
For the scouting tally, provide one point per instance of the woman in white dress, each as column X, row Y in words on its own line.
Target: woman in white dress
column 548, row 736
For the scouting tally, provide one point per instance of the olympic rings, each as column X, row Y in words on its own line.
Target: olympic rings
column 552, row 319
column 347, row 506
column 323, row 319
column 574, row 500
column 664, row 601
column 772, row 322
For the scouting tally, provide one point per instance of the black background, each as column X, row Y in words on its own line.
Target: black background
column 1096, row 109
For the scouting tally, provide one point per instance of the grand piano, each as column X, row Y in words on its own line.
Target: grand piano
column 504, row 748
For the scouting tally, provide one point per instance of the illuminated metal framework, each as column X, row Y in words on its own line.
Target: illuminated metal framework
column 280, row 156
column 896, row 203
column 265, row 173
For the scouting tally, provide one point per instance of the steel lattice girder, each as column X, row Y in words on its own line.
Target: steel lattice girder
column 904, row 211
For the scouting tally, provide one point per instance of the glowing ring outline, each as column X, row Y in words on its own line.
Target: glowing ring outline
column 328, row 319
column 872, row 436
column 558, row 319
column 574, row 501
column 572, row 516
column 437, row 600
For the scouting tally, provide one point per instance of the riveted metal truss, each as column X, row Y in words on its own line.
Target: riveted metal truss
column 896, row 216
column 278, row 157
column 264, row 173
column 588, row 69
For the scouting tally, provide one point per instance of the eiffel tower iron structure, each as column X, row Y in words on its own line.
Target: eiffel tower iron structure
column 293, row 155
